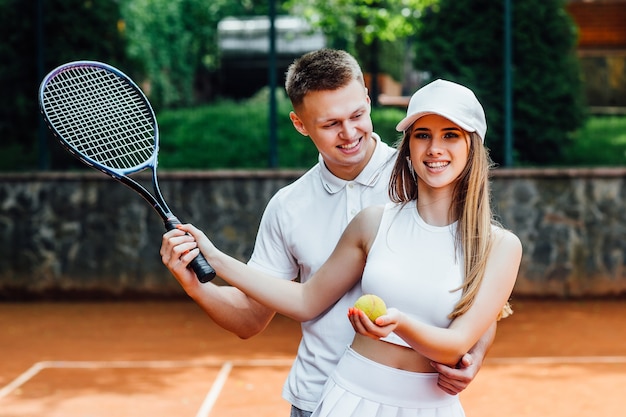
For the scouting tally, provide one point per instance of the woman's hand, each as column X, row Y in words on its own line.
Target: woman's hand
column 205, row 246
column 175, row 250
column 380, row 328
column 179, row 247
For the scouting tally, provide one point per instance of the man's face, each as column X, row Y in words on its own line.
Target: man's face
column 339, row 124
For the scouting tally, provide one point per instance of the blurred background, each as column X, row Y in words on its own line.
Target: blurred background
column 551, row 75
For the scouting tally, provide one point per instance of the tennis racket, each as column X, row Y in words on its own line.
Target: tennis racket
column 101, row 117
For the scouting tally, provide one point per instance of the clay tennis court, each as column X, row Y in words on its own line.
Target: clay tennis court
column 165, row 359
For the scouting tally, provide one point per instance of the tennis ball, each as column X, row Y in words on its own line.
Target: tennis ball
column 372, row 305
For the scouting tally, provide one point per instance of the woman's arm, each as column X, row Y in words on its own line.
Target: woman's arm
column 448, row 345
column 299, row 301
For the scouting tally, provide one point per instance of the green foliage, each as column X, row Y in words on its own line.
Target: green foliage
column 548, row 84
column 69, row 30
column 227, row 134
column 233, row 134
column 83, row 29
column 385, row 120
column 600, row 142
column 173, row 44
column 372, row 30
column 176, row 41
column 547, row 95
column 346, row 21
column 167, row 37
column 17, row 157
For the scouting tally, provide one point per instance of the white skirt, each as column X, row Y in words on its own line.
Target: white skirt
column 360, row 387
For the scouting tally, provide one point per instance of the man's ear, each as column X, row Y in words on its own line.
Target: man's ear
column 297, row 124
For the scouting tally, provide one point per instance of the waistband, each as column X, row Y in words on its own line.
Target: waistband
column 387, row 385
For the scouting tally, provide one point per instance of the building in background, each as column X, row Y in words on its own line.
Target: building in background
column 602, row 50
column 244, row 49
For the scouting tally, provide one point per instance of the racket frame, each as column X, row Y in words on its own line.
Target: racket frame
column 203, row 270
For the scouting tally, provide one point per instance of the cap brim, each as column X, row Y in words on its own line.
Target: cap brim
column 409, row 120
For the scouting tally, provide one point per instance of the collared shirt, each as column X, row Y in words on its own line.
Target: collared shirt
column 299, row 229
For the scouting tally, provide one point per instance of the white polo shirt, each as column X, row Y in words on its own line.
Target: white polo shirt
column 300, row 227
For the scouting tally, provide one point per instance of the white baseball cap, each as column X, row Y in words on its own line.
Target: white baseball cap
column 450, row 100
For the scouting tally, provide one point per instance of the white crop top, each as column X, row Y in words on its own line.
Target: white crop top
column 412, row 266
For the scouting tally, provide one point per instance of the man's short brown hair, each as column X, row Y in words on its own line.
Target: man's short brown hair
column 324, row 69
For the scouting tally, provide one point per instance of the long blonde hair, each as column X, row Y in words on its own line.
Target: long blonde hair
column 471, row 205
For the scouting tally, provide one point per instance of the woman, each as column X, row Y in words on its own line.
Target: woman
column 435, row 255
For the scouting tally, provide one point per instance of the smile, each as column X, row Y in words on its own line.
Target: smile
column 351, row 145
column 438, row 164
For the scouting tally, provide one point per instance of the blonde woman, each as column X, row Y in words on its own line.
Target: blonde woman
column 434, row 254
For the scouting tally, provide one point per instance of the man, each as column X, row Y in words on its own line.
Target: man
column 303, row 222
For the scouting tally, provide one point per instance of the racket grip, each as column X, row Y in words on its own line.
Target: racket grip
column 204, row 271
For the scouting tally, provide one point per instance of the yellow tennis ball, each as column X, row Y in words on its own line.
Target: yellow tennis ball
column 372, row 305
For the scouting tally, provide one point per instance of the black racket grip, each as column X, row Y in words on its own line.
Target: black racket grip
column 204, row 271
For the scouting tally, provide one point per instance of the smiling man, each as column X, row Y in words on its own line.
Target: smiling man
column 303, row 222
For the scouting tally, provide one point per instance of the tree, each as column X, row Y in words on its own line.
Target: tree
column 176, row 41
column 373, row 30
column 462, row 40
column 70, row 30
column 347, row 21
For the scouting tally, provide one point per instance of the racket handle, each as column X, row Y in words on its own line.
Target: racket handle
column 204, row 271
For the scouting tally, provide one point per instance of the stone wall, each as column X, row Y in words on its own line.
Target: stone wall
column 85, row 235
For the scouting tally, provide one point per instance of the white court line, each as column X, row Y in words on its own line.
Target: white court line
column 226, row 367
column 31, row 372
column 22, row 379
column 216, row 389
column 555, row 360
column 208, row 363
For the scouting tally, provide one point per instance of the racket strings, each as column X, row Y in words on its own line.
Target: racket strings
column 101, row 116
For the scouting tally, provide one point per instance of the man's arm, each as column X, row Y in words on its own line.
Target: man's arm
column 233, row 310
column 455, row 380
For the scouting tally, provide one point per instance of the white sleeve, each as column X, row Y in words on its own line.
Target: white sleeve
column 271, row 252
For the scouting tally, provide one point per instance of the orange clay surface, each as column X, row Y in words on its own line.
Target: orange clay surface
column 166, row 359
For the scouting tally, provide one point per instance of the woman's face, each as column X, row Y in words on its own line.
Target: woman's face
column 439, row 150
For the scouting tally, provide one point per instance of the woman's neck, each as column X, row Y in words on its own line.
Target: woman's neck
column 433, row 205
